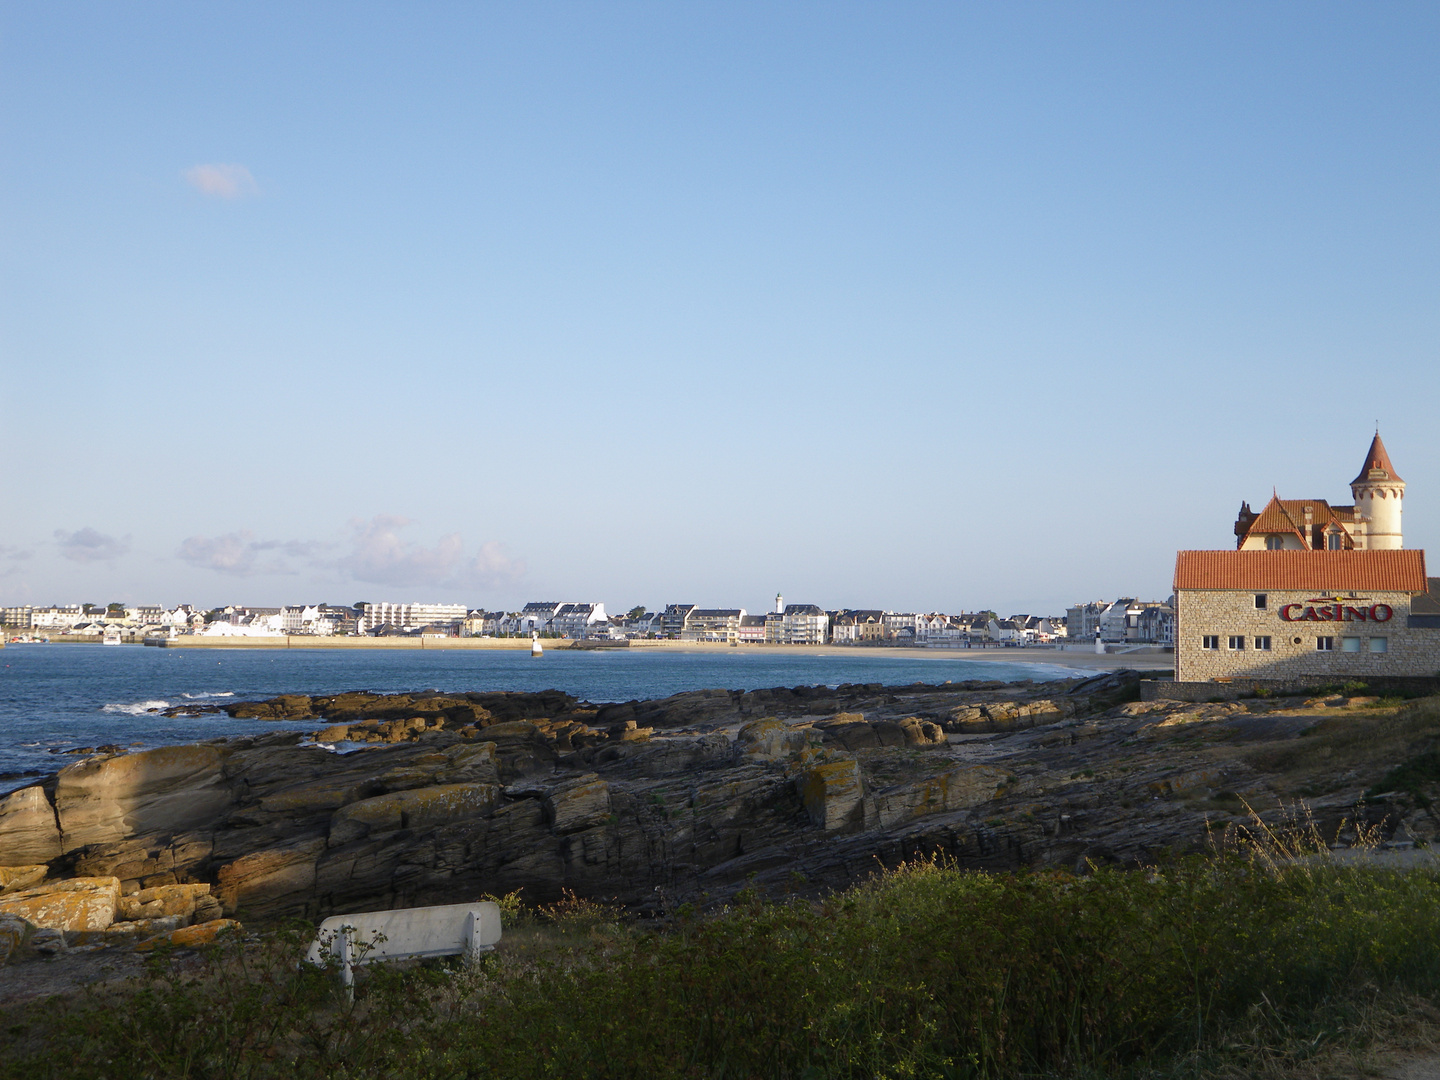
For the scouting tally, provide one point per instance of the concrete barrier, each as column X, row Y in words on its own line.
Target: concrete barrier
column 405, row 934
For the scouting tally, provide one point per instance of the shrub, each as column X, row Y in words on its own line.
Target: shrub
column 923, row 971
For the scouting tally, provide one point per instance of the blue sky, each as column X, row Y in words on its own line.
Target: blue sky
column 918, row 306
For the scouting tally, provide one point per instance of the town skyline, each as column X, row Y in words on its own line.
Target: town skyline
column 1125, row 620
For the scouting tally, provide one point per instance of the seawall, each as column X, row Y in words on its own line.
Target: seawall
column 298, row 641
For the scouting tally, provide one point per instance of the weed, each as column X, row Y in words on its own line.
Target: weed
column 1411, row 776
column 1230, row 965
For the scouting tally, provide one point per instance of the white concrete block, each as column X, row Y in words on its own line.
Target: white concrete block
column 409, row 933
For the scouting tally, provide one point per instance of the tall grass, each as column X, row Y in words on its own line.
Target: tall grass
column 922, row 972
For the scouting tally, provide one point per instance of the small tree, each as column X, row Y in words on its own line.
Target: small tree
column 635, row 612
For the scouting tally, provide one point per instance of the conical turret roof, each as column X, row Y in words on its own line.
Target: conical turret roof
column 1377, row 458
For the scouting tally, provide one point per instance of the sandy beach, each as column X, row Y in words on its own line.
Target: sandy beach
column 1144, row 660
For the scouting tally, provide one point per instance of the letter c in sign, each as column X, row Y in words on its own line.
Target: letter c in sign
column 1285, row 612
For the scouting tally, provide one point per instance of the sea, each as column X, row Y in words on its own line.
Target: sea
column 59, row 699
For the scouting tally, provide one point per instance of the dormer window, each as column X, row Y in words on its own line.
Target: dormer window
column 1274, row 543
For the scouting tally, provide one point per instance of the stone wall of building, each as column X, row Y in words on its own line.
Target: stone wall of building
column 1226, row 613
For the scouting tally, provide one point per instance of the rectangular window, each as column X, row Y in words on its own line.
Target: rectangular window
column 1261, row 599
column 1349, row 644
column 1324, row 644
column 1263, row 643
column 1237, row 641
column 1210, row 641
column 1379, row 644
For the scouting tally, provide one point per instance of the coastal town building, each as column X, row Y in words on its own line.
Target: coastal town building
column 57, row 616
column 649, row 624
column 1083, row 620
column 19, row 617
column 1311, row 590
column 402, row 617
column 313, row 619
column 1282, row 613
column 713, row 624
column 672, row 622
column 1006, row 631
column 534, row 618
column 858, row 626
column 752, row 629
column 1134, row 622
column 576, row 620
column 482, row 623
column 1371, row 523
column 804, row 624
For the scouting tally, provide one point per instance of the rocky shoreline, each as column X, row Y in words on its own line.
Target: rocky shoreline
column 360, row 801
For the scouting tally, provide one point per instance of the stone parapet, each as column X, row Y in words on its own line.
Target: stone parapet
column 1235, row 689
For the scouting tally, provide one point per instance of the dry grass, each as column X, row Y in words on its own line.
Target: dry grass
column 1365, row 743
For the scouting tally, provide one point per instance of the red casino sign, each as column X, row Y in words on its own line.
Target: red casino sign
column 1337, row 609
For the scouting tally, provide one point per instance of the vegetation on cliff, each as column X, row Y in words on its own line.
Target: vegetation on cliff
column 1239, row 964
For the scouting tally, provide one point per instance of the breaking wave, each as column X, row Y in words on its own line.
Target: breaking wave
column 220, row 693
column 139, row 708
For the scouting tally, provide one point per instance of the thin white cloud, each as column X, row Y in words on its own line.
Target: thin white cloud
column 378, row 555
column 88, row 545
column 381, row 557
column 241, row 555
column 222, row 181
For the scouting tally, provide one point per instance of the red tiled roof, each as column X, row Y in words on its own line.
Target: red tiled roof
column 1288, row 515
column 1322, row 571
column 1377, row 459
column 1275, row 518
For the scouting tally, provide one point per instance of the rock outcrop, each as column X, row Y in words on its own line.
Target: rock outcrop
column 84, row 903
column 444, row 797
column 29, row 832
column 115, row 796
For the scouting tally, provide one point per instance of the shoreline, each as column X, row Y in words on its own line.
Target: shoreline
column 1147, row 659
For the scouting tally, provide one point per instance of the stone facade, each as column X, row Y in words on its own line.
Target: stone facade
column 1294, row 622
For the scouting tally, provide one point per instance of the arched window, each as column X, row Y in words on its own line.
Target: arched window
column 1274, row 543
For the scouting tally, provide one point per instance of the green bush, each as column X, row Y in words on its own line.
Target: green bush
column 922, row 972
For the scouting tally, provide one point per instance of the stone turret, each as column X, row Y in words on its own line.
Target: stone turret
column 1379, row 493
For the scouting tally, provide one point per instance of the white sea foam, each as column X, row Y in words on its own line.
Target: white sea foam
column 219, row 693
column 139, row 708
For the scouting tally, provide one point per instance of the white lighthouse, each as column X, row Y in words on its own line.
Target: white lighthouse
column 1379, row 494
column 779, row 604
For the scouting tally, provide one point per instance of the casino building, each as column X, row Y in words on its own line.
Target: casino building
column 1312, row 590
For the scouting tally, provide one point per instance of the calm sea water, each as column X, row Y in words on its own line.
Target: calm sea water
column 59, row 697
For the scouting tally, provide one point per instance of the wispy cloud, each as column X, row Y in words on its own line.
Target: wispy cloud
column 377, row 554
column 88, row 545
column 240, row 554
column 14, row 553
column 222, row 181
column 381, row 557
